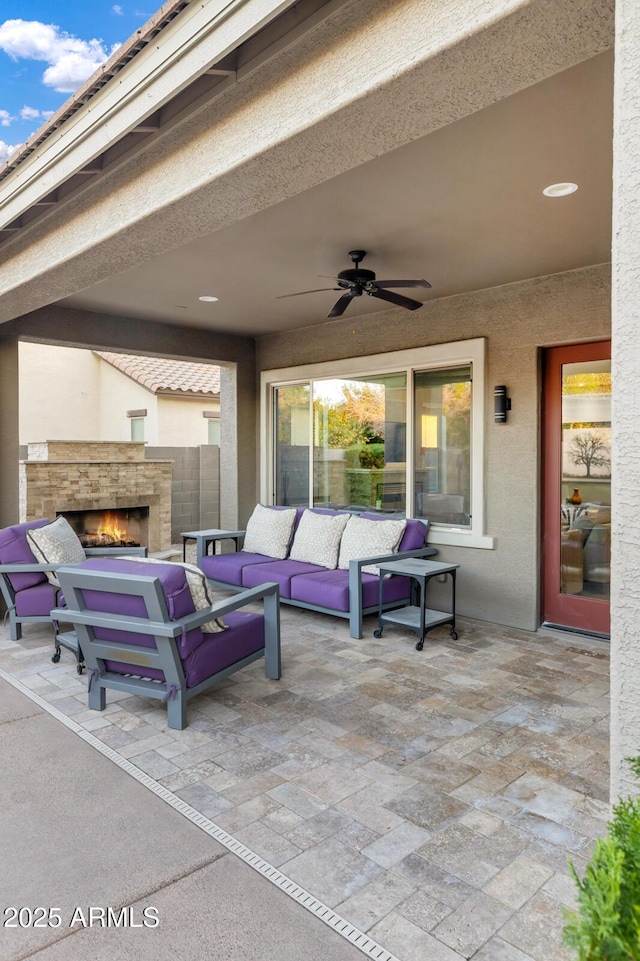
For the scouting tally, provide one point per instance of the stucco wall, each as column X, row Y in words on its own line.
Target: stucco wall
column 625, row 553
column 500, row 585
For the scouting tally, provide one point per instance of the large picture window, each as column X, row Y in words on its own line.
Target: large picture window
column 399, row 433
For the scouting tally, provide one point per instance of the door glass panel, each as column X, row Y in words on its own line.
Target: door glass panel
column 442, row 439
column 585, row 497
column 292, row 441
column 359, row 442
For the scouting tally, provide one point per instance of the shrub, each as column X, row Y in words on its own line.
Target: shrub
column 607, row 925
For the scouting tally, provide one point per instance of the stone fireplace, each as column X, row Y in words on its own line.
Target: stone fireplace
column 72, row 477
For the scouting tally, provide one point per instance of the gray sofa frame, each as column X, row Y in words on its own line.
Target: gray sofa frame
column 158, row 624
column 356, row 610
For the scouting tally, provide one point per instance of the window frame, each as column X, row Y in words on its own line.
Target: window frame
column 438, row 356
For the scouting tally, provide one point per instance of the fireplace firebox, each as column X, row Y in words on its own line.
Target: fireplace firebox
column 115, row 527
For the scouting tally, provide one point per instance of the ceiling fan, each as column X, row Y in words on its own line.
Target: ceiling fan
column 357, row 281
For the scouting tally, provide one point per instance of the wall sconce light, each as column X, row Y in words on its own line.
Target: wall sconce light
column 502, row 404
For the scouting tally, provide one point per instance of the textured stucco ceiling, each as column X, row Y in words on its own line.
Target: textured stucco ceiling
column 462, row 207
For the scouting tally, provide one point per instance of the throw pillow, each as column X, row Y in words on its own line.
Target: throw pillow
column 56, row 543
column 198, row 588
column 367, row 538
column 317, row 539
column 269, row 531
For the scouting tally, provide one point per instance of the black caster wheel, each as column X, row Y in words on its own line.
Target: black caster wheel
column 56, row 657
column 80, row 668
column 453, row 635
column 419, row 645
column 377, row 633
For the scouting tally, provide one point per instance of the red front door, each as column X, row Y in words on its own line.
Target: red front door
column 577, row 487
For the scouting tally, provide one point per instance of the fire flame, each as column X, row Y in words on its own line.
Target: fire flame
column 109, row 529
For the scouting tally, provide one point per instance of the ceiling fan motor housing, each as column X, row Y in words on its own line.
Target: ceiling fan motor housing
column 357, row 275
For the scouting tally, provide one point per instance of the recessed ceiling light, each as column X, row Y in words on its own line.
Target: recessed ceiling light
column 207, row 298
column 560, row 190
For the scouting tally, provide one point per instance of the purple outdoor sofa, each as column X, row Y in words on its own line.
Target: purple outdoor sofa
column 145, row 629
column 349, row 591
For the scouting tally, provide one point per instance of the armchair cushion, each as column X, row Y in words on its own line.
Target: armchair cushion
column 317, row 538
column 269, row 531
column 56, row 543
column 368, row 538
column 15, row 549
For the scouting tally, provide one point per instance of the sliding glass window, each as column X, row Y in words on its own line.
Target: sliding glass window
column 359, row 442
column 292, row 438
column 397, row 433
column 442, row 445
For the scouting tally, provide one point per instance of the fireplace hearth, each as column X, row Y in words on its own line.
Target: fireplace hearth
column 116, row 527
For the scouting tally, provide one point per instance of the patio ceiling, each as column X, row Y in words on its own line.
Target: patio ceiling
column 462, row 207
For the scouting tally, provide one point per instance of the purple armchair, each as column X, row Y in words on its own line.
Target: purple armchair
column 139, row 631
column 26, row 589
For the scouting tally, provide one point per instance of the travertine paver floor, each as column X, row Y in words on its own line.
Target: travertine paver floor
column 431, row 798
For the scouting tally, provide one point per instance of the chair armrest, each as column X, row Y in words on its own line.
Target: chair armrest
column 143, row 625
column 26, row 568
column 204, row 538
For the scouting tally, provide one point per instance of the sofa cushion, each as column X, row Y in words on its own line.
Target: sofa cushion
column 56, row 543
column 317, row 538
column 331, row 589
column 415, row 533
column 227, row 568
column 269, row 531
column 364, row 537
column 282, row 572
column 15, row 549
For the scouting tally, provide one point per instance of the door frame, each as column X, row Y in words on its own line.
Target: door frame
column 567, row 611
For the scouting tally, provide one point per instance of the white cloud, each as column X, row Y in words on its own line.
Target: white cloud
column 30, row 113
column 5, row 118
column 118, row 9
column 6, row 149
column 71, row 61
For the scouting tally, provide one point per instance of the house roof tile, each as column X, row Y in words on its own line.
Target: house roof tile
column 163, row 376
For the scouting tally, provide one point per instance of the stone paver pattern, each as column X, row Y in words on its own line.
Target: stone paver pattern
column 431, row 798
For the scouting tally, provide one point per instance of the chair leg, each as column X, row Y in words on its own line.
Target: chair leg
column 177, row 712
column 97, row 697
column 15, row 629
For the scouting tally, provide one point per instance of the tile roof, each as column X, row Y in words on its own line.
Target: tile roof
column 162, row 376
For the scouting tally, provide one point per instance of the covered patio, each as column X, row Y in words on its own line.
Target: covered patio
column 422, row 804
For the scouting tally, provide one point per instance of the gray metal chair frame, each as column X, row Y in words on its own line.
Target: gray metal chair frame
column 165, row 657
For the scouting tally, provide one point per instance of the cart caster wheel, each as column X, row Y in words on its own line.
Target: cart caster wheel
column 419, row 645
column 80, row 668
column 56, row 657
column 377, row 633
column 453, row 635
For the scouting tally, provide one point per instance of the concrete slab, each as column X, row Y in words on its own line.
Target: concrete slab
column 225, row 911
column 78, row 833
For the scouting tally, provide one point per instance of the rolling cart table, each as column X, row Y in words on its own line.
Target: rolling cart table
column 418, row 617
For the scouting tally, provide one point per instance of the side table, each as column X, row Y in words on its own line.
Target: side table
column 417, row 617
column 204, row 538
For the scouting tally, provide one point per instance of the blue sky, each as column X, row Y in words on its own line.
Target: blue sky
column 48, row 48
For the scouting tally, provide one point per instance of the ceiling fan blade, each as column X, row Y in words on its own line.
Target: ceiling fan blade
column 302, row 292
column 341, row 305
column 397, row 299
column 401, row 283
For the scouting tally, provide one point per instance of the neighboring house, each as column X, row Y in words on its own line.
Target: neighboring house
column 243, row 154
column 106, row 396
